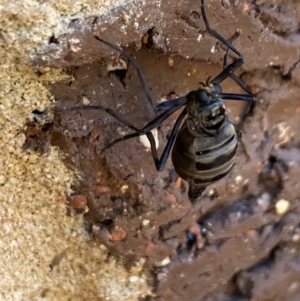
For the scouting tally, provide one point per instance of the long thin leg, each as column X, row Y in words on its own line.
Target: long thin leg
column 126, row 137
column 148, row 127
column 145, row 130
column 160, row 163
column 157, row 107
column 159, row 119
column 249, row 110
column 136, row 66
column 101, row 108
column 231, row 67
column 217, row 35
column 166, row 105
column 230, row 40
column 240, row 83
column 227, row 71
column 251, row 105
column 225, row 63
column 233, row 96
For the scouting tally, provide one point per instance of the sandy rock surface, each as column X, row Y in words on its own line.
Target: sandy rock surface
column 45, row 254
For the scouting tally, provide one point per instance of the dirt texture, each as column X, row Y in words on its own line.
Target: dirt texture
column 240, row 240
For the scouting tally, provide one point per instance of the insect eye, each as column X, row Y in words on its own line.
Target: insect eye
column 217, row 89
column 202, row 95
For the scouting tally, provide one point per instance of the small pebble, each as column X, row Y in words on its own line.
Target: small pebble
column 79, row 202
column 117, row 65
column 124, row 188
column 264, row 201
column 296, row 237
column 171, row 62
column 133, row 278
column 145, row 38
column 238, row 179
column 164, row 262
column 98, row 189
column 144, row 140
column 282, row 206
column 145, row 222
column 178, row 182
column 118, row 234
column 85, row 100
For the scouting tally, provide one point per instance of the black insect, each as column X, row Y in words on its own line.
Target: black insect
column 204, row 147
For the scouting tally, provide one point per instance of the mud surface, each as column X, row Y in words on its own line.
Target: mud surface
column 240, row 241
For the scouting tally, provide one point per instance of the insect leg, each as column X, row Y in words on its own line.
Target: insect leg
column 149, row 126
column 126, row 137
column 166, row 105
column 240, row 83
column 217, row 35
column 159, row 119
column 231, row 67
column 225, row 64
column 155, row 106
column 232, row 96
column 136, row 66
column 249, row 97
column 160, row 163
column 107, row 110
column 228, row 71
column 146, row 129
column 230, row 40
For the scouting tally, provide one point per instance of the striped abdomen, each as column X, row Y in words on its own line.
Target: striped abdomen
column 202, row 160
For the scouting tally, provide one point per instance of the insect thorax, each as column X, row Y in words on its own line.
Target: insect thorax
column 206, row 115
